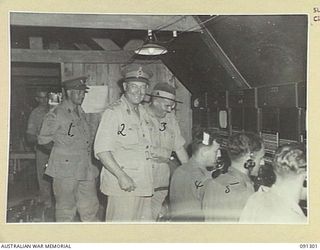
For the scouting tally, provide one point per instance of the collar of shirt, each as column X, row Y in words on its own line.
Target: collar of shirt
column 70, row 108
column 245, row 179
column 193, row 166
column 133, row 118
column 43, row 108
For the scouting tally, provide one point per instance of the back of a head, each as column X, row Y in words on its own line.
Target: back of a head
column 289, row 158
column 242, row 143
column 201, row 140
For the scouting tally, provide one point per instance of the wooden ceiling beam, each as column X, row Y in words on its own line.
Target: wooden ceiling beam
column 35, row 43
column 35, row 81
column 30, row 71
column 106, row 44
column 133, row 44
column 74, row 56
column 82, row 46
column 105, row 21
column 54, row 45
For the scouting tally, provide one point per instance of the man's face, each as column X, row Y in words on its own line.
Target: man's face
column 42, row 98
column 163, row 106
column 76, row 96
column 258, row 159
column 213, row 153
column 135, row 91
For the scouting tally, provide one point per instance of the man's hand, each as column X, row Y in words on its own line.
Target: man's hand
column 126, row 183
column 124, row 180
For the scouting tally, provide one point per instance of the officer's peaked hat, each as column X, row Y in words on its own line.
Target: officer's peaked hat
column 77, row 83
column 135, row 72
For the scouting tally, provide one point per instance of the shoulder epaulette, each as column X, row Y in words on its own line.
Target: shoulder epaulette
column 115, row 104
column 226, row 179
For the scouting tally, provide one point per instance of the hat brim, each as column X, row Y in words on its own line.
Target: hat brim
column 164, row 98
column 136, row 79
column 78, row 88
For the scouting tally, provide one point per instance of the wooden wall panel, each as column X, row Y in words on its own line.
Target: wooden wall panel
column 78, row 69
column 90, row 70
column 184, row 112
column 100, row 75
column 113, row 77
column 66, row 71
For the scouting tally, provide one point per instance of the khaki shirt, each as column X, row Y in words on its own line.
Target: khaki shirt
column 35, row 120
column 165, row 138
column 186, row 192
column 165, row 134
column 226, row 196
column 126, row 135
column 269, row 206
column 71, row 153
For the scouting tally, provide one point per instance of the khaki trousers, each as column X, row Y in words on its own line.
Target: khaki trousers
column 128, row 208
column 45, row 185
column 161, row 175
column 72, row 196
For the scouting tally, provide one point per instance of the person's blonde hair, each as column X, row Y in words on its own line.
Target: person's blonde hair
column 289, row 158
column 242, row 143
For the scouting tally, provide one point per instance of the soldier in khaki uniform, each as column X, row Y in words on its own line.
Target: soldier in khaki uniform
column 122, row 144
column 166, row 137
column 280, row 202
column 42, row 154
column 70, row 162
column 226, row 195
column 187, row 182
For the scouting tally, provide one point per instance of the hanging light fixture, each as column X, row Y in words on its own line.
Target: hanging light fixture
column 151, row 48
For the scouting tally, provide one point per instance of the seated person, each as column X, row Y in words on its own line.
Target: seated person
column 226, row 195
column 187, row 182
column 279, row 204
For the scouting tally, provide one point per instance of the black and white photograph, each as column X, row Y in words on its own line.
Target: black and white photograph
column 159, row 122
column 175, row 119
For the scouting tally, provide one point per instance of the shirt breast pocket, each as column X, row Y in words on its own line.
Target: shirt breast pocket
column 129, row 136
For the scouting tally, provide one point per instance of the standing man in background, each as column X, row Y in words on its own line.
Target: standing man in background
column 166, row 138
column 70, row 163
column 42, row 154
column 122, row 144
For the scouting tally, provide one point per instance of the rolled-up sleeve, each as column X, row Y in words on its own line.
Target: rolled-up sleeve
column 49, row 128
column 106, row 136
